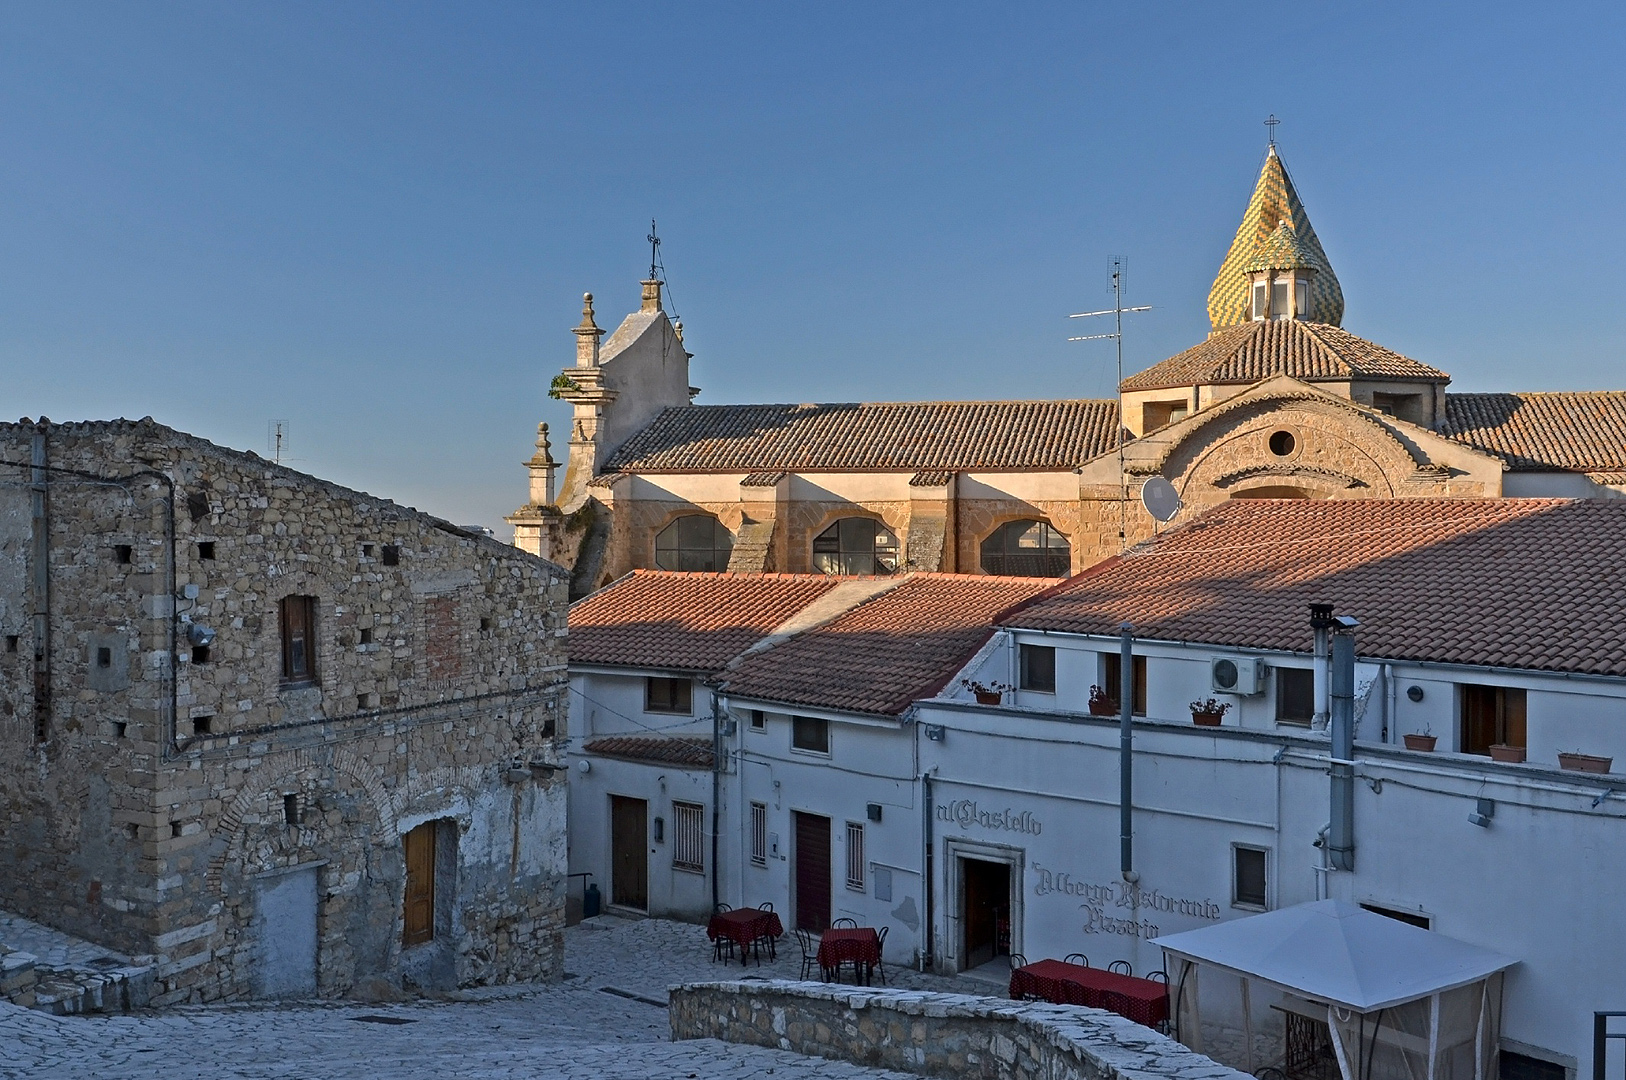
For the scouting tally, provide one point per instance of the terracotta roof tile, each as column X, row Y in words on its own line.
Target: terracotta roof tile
column 693, row 751
column 1251, row 351
column 1527, row 583
column 888, row 436
column 685, row 621
column 763, row 479
column 1583, row 431
column 900, row 646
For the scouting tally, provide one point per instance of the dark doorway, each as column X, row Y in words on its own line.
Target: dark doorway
column 986, row 913
column 812, row 872
column 629, row 861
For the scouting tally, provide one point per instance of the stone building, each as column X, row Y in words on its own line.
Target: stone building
column 288, row 738
column 1278, row 401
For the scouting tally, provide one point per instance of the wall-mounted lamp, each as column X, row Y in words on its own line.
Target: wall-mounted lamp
column 199, row 636
column 935, row 732
column 873, row 810
column 584, row 766
column 1484, row 810
column 660, row 830
column 1415, row 693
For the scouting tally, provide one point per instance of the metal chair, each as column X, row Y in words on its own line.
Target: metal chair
column 810, row 951
column 1120, row 967
column 765, row 906
column 721, row 945
column 1018, row 960
column 880, row 965
column 1076, row 958
column 844, row 924
column 1158, row 976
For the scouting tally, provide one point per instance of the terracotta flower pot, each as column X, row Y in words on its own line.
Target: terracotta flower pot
column 1591, row 763
column 1207, row 719
column 988, row 697
column 1104, row 708
column 1504, row 752
column 1424, row 743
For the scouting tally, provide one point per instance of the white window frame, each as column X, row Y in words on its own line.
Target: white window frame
column 1236, row 901
column 759, row 720
column 688, row 837
column 759, row 833
column 804, row 750
column 856, row 880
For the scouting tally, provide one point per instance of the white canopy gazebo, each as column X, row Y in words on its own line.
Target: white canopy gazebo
column 1399, row 1002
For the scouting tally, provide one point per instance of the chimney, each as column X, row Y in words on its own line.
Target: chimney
column 542, row 468
column 588, row 333
column 652, row 296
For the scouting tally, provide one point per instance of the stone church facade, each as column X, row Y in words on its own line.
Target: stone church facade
column 288, row 739
column 1278, row 402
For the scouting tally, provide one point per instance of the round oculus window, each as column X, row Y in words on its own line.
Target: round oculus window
column 1282, row 443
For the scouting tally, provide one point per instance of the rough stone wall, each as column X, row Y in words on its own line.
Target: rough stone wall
column 439, row 677
column 947, row 1035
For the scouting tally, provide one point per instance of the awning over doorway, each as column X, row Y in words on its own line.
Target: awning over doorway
column 1339, row 954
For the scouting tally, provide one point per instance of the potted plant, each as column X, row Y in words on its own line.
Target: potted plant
column 1421, row 740
column 1506, row 752
column 987, row 693
column 1575, row 761
column 1209, row 713
column 1100, row 704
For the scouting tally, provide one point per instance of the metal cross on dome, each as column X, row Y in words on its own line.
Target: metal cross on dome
column 1270, row 125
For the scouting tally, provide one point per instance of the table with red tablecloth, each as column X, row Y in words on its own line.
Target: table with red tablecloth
column 1145, row 1001
column 847, row 945
column 744, row 926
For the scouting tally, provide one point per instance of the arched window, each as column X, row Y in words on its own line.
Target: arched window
column 1026, row 549
column 856, row 546
column 693, row 542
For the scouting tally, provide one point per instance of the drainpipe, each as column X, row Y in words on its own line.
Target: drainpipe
column 1126, row 745
column 40, row 554
column 928, row 957
column 716, row 793
column 1341, row 838
column 1321, row 624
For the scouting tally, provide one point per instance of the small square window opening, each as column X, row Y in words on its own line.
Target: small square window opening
column 666, row 695
column 810, row 733
column 366, row 551
column 120, row 728
column 175, row 828
column 201, row 725
column 104, row 657
column 1248, row 878
column 206, row 549
column 200, row 654
column 485, row 625
column 11, row 642
column 1038, row 669
column 290, row 809
column 123, row 553
column 392, row 555
column 367, row 636
column 759, row 722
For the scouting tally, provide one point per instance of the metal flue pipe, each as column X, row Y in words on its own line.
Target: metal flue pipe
column 1126, row 747
column 1341, row 838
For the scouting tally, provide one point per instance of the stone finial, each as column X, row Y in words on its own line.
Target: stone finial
column 652, row 296
column 542, row 468
column 587, row 335
column 677, row 328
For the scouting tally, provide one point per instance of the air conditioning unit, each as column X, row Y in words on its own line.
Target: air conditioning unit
column 1242, row 675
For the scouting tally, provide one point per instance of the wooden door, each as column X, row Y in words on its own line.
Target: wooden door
column 629, row 859
column 418, row 916
column 812, row 872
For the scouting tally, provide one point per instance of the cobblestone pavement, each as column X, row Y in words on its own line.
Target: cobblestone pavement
column 573, row 1029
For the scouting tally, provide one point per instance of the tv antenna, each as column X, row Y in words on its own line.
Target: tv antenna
column 276, row 439
column 1117, row 311
column 654, row 239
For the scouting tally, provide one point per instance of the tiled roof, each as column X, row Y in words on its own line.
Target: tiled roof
column 902, row 645
column 1583, row 431
column 685, row 621
column 692, row 751
column 1253, row 351
column 1230, row 301
column 1284, row 251
column 1523, row 583
column 887, row 436
column 763, row 479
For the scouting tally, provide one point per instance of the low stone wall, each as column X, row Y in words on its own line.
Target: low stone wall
column 947, row 1035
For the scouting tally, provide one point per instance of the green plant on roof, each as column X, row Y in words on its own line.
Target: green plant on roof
column 562, row 384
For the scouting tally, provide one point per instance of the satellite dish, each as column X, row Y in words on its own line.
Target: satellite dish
column 1160, row 498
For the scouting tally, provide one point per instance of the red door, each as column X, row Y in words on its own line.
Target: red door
column 812, row 872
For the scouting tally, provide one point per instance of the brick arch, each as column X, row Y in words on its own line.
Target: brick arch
column 462, row 781
column 268, row 775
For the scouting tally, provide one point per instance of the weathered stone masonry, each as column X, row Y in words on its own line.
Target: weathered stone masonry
column 147, row 804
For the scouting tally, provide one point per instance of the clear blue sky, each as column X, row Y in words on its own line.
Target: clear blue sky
column 376, row 220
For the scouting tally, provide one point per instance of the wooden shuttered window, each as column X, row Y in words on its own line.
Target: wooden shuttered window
column 418, row 914
column 299, row 639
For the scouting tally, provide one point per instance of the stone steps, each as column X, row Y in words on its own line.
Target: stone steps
column 103, row 985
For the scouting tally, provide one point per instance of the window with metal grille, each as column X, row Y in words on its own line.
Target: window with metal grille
column 689, row 841
column 855, row 856
column 759, row 833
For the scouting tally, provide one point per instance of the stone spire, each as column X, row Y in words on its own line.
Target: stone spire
column 1275, row 235
column 542, row 468
column 587, row 335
